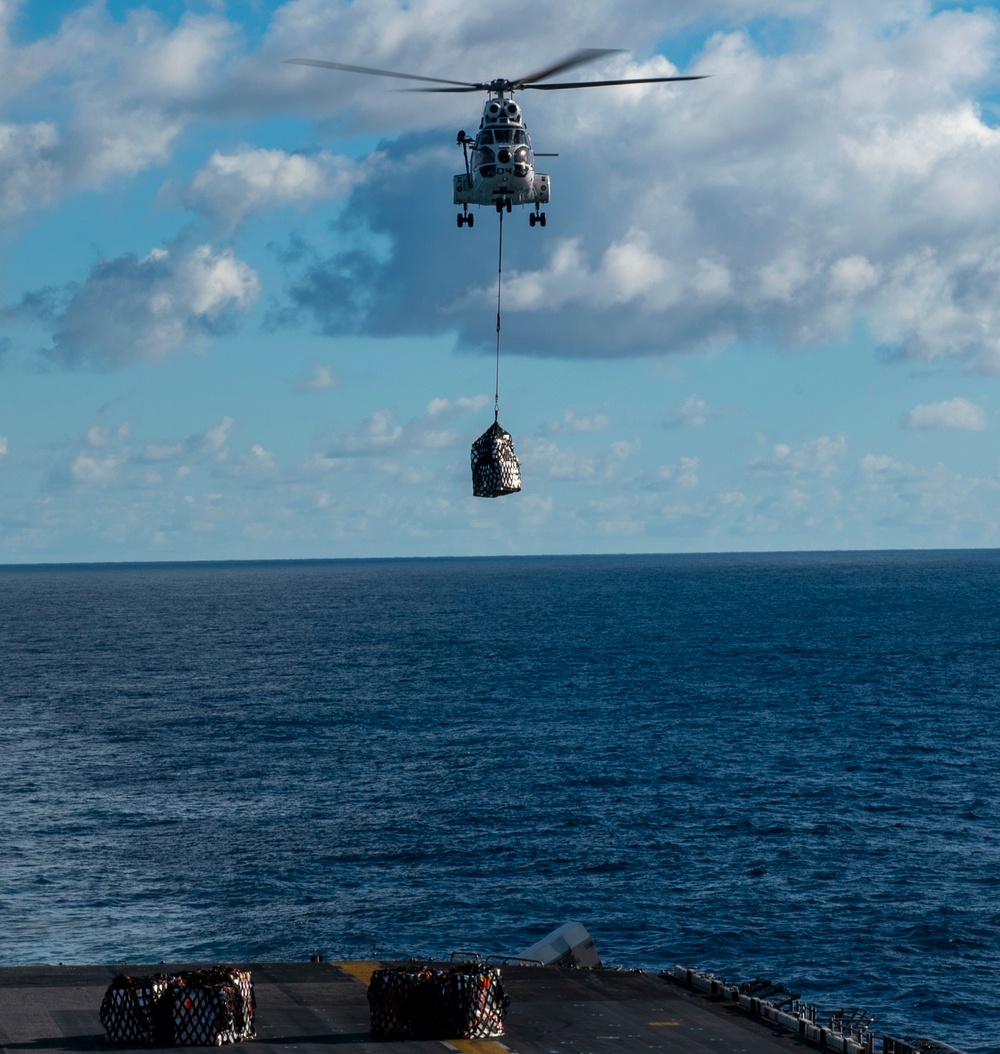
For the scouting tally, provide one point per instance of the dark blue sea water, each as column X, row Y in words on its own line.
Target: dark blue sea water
column 780, row 765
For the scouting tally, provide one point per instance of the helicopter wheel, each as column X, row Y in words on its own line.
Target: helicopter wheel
column 510, row 205
column 541, row 218
column 532, row 219
column 460, row 219
column 470, row 219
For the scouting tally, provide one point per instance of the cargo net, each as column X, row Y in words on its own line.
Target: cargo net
column 426, row 1003
column 193, row 1008
column 495, row 470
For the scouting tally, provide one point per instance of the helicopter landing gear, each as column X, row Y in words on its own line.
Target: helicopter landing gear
column 466, row 217
column 536, row 217
column 505, row 203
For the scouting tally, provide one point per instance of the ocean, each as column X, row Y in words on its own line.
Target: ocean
column 775, row 765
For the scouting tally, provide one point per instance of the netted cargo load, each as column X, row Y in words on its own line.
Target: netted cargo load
column 193, row 1008
column 212, row 1007
column 495, row 470
column 132, row 1009
column 428, row 1003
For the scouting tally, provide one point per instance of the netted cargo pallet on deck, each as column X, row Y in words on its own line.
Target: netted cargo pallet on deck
column 193, row 1008
column 427, row 1003
column 130, row 1009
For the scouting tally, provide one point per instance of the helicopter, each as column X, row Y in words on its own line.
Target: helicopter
column 501, row 169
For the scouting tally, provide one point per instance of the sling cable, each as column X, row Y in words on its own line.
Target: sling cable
column 495, row 470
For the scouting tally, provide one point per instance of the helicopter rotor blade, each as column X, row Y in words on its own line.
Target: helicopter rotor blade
column 568, row 62
column 465, row 88
column 322, row 64
column 577, row 58
column 604, row 84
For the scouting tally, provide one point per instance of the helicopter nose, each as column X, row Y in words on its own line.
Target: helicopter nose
column 503, row 156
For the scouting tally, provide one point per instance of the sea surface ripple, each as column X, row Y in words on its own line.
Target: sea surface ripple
column 782, row 765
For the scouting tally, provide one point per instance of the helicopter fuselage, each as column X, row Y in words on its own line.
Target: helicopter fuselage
column 500, row 164
column 501, row 169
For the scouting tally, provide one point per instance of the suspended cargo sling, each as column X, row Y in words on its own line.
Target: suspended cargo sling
column 495, row 470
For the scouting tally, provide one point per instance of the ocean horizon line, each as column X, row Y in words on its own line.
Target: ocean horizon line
column 318, row 561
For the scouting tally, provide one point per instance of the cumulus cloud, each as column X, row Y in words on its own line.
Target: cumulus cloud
column 117, row 93
column 462, row 404
column 692, row 413
column 87, row 468
column 29, row 171
column 921, row 499
column 112, row 455
column 958, row 413
column 572, row 424
column 380, row 435
column 133, row 309
column 849, row 177
column 232, row 186
column 815, row 459
column 321, row 377
column 545, row 457
column 683, row 475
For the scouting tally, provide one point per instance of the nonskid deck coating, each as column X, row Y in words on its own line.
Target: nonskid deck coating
column 300, row 1006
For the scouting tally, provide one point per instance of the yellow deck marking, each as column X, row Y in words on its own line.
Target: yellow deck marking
column 664, row 1024
column 477, row 1046
column 360, row 971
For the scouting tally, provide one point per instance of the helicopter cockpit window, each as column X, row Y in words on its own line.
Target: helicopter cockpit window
column 503, row 135
column 486, row 160
column 485, row 136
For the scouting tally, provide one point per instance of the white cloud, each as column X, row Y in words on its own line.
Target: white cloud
column 463, row 404
column 29, row 173
column 958, row 413
column 231, row 186
column 257, row 462
column 113, row 455
column 117, row 93
column 216, row 436
column 320, row 378
column 102, row 436
column 107, row 144
column 89, row 469
column 548, row 458
column 850, row 177
column 381, row 436
column 928, row 500
column 630, row 273
column 571, row 424
column 852, row 275
column 687, row 476
column 4, row 446
column 132, row 309
column 683, row 475
column 815, row 459
column 693, row 413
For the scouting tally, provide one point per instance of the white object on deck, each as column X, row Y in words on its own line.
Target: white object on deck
column 569, row 945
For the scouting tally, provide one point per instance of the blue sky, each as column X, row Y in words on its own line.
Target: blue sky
column 239, row 321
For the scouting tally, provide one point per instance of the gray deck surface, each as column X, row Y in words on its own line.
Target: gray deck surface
column 306, row 1006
